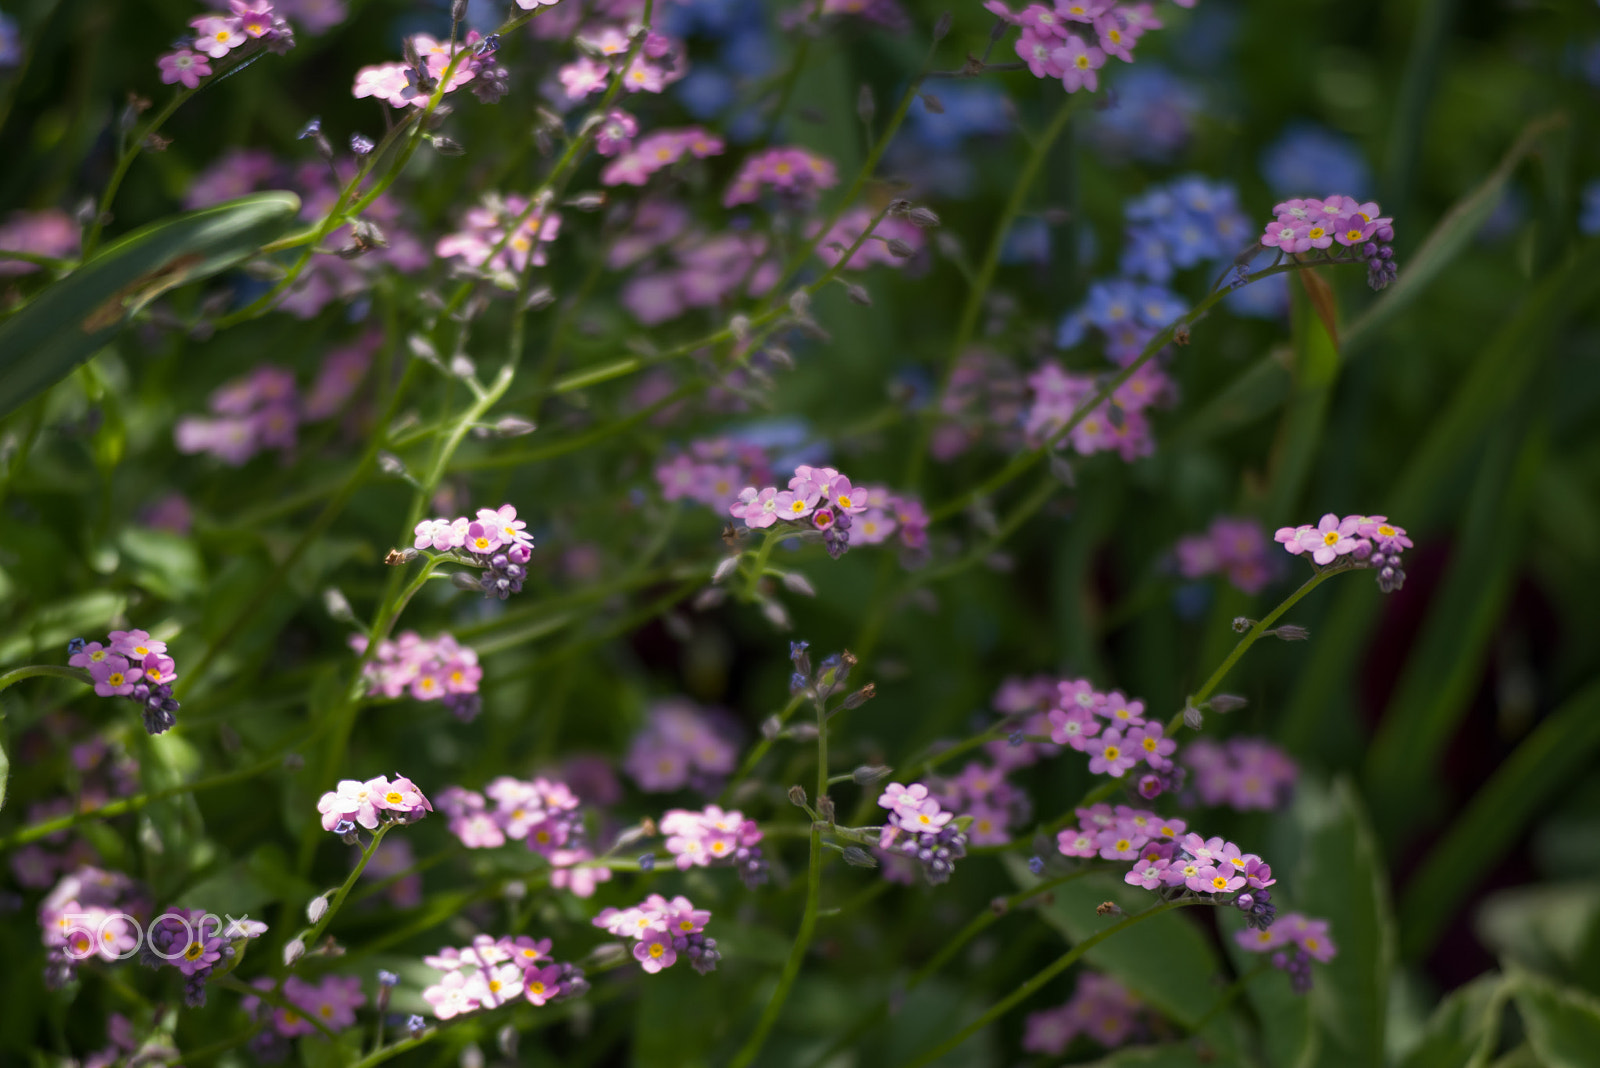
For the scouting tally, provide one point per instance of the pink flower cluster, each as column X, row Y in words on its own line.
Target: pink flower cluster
column 661, row 61
column 703, row 271
column 982, row 792
column 332, row 1002
column 493, row 971
column 678, row 747
column 80, row 919
column 985, row 398
column 103, row 773
column 1241, row 773
column 1026, row 703
column 196, row 943
column 503, row 234
column 661, row 930
column 822, row 498
column 543, row 814
column 892, row 242
column 1100, row 1007
column 1294, row 942
column 131, row 664
column 263, row 410
column 1113, row 731
column 51, row 233
column 1051, row 48
column 1235, row 547
column 1369, row 541
column 712, row 470
column 699, row 839
column 1301, row 225
column 920, row 829
column 492, row 530
column 657, row 151
column 402, row 85
column 367, row 803
column 437, row 669
column 247, row 22
column 791, row 172
column 1118, row 423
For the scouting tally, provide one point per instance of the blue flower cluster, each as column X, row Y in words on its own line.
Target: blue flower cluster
column 1185, row 223
column 744, row 54
column 1150, row 117
column 1311, row 160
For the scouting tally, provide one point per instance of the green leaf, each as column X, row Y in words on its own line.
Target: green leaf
column 166, row 564
column 1547, row 760
column 1287, row 1035
column 1459, row 225
column 1341, row 879
column 71, row 320
column 1444, row 668
column 1166, row 959
column 1261, row 388
column 1544, row 926
column 1464, row 1026
column 1563, row 1024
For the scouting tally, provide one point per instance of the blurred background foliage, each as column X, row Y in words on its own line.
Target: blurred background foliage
column 1448, row 820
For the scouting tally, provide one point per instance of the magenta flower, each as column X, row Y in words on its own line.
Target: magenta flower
column 654, row 951
column 1075, row 843
column 1331, row 539
column 798, row 503
column 903, row 800
column 1038, row 52
column 542, row 984
column 1260, row 941
column 482, row 538
column 113, row 677
column 512, row 531
column 1073, row 726
column 758, row 509
column 1122, row 712
column 1149, row 874
column 159, row 670
column 135, row 644
column 92, row 654
column 1111, row 755
column 1119, row 844
column 1288, row 236
column 615, row 133
column 1157, row 749
column 1078, row 62
column 927, row 818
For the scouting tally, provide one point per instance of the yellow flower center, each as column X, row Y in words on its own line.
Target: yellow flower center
column 393, row 797
column 1149, row 745
column 1312, row 943
column 686, row 925
column 1220, row 882
column 656, row 949
column 1331, row 538
column 116, row 678
column 1386, row 530
column 1123, row 845
column 1112, row 752
column 536, row 986
column 194, row 951
column 141, row 651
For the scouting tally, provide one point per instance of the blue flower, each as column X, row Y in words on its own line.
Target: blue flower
column 1312, row 160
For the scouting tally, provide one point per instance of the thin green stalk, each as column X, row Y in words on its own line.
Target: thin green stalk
column 133, row 804
column 759, row 750
column 1027, row 989
column 759, row 567
column 125, row 158
column 808, row 920
column 34, row 671
column 311, row 936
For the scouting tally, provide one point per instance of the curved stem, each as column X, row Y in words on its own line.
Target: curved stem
column 310, row 937
column 1255, row 633
column 1059, row 965
column 53, row 671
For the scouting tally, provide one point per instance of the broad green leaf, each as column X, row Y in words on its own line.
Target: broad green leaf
column 1543, row 926
column 166, row 564
column 1459, row 225
column 1166, row 959
column 1341, row 879
column 71, row 320
column 1288, row 1036
column 1261, row 388
column 1563, row 1024
column 1561, row 746
column 45, row 633
column 1464, row 1026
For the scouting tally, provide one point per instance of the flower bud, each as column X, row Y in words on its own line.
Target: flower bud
column 724, row 568
column 795, row 582
column 415, row 1025
column 708, row 598
column 447, row 146
column 1107, row 908
column 868, row 774
column 361, row 144
column 647, row 862
column 923, row 218
column 776, row 614
column 866, row 104
column 900, row 249
column 463, row 580
column 857, row 857
column 941, row 29
column 1036, row 864
column 858, row 294
column 471, row 1056
column 462, row 367
column 933, row 103
column 1290, row 632
column 506, row 1040
column 861, row 696
column 801, row 732
column 293, row 952
column 1226, row 702
column 514, row 426
column 1192, row 718
column 797, row 796
column 391, row 465
column 771, row 727
column 318, row 908
column 825, row 808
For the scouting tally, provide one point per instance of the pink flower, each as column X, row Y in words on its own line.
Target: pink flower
column 654, row 951
column 1075, row 843
column 585, row 76
column 1111, row 755
column 114, row 677
column 1331, row 539
column 1287, row 234
column 1157, row 750
column 512, row 531
column 1038, row 52
column 757, row 509
column 450, row 997
column 798, row 503
column 482, row 538
column 183, row 66
column 1073, row 726
column 1149, row 874
column 1078, row 62
column 217, row 35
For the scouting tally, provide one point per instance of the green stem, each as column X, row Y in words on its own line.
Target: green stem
column 310, row 937
column 808, row 921
column 759, row 568
column 125, row 158
column 34, row 671
column 133, row 804
column 1027, row 989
